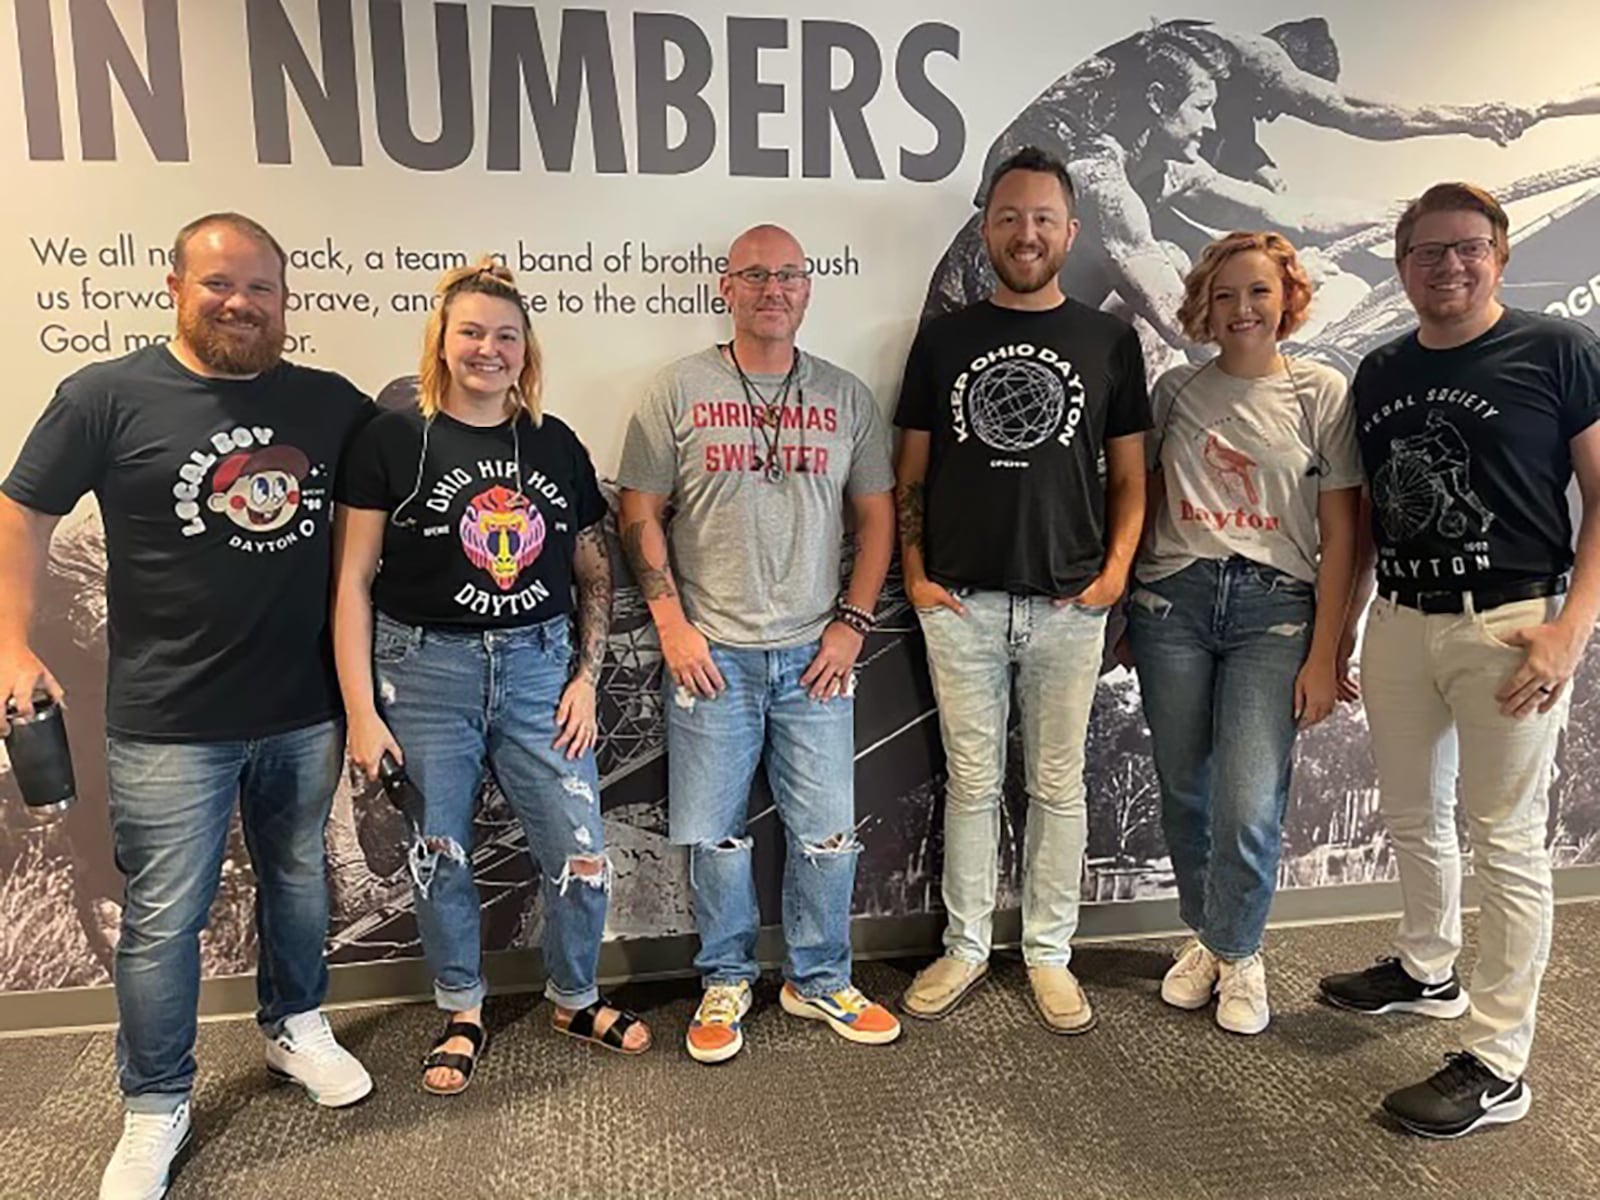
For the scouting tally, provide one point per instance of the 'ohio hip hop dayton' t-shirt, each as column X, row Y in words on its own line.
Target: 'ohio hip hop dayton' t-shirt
column 1020, row 405
column 469, row 542
column 215, row 494
column 1466, row 452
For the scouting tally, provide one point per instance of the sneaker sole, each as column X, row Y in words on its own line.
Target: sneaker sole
column 949, row 1006
column 1441, row 1010
column 1501, row 1114
column 1187, row 1005
column 810, row 1012
column 1245, row 1030
column 325, row 1099
column 721, row 1054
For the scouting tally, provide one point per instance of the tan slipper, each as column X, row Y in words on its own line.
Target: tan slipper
column 941, row 986
column 1059, row 1000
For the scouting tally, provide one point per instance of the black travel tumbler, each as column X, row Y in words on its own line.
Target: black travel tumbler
column 402, row 793
column 41, row 759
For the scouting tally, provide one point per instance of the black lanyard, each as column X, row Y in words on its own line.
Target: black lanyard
column 769, row 414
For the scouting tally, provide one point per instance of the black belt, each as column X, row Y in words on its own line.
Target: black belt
column 1482, row 598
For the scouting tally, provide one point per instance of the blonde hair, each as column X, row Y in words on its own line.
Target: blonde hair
column 488, row 278
column 1194, row 314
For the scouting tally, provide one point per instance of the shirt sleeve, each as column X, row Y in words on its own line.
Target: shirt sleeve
column 650, row 451
column 1161, row 413
column 591, row 503
column 870, row 469
column 363, row 479
column 67, row 452
column 915, row 409
column 1129, row 410
column 1580, row 383
column 1336, row 435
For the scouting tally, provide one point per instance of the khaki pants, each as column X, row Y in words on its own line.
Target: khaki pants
column 1429, row 685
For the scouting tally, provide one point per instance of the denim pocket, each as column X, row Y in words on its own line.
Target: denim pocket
column 1493, row 625
column 556, row 645
column 393, row 643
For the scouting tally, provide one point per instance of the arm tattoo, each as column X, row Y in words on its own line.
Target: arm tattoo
column 592, row 566
column 910, row 496
column 655, row 582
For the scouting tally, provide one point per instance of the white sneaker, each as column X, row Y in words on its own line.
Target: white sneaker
column 142, row 1161
column 1190, row 981
column 307, row 1053
column 1242, row 996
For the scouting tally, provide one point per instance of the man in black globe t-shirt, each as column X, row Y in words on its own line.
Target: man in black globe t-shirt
column 213, row 463
column 1471, row 429
column 1014, row 548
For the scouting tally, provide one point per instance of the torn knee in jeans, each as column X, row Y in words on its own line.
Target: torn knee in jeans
column 422, row 860
column 837, row 845
column 1288, row 629
column 591, row 870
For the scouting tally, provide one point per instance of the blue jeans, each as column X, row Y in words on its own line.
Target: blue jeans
column 713, row 748
column 458, row 701
column 1056, row 651
column 171, row 803
column 1218, row 646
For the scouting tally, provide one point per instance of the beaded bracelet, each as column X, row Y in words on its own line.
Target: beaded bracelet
column 854, row 617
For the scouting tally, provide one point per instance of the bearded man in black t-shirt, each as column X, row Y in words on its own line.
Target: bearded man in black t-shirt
column 1014, row 550
column 213, row 464
column 1471, row 429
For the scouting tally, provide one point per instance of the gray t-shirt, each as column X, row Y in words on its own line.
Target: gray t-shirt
column 1243, row 461
column 757, row 559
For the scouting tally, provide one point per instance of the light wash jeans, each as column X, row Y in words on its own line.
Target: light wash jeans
column 171, row 804
column 1056, row 651
column 457, row 701
column 808, row 747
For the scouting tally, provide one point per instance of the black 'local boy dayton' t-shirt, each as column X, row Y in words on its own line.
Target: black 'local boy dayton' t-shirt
column 1466, row 452
column 1020, row 405
column 468, row 546
column 217, row 498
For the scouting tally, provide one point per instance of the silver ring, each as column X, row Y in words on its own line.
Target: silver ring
column 1546, row 688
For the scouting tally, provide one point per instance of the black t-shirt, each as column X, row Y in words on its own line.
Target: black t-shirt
column 216, row 497
column 1466, row 451
column 466, row 545
column 1020, row 405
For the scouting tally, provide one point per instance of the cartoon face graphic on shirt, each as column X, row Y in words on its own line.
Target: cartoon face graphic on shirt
column 259, row 491
column 502, row 533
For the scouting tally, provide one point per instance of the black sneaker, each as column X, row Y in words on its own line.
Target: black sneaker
column 1457, row 1099
column 1386, row 988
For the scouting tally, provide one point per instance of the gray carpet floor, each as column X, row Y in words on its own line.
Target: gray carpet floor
column 1153, row 1103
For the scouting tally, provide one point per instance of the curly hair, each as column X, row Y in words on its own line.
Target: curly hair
column 488, row 278
column 1194, row 314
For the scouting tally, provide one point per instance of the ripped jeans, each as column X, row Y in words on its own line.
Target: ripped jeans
column 458, row 701
column 808, row 746
column 1217, row 646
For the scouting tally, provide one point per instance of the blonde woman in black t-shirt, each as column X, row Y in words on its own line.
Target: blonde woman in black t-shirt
column 461, row 530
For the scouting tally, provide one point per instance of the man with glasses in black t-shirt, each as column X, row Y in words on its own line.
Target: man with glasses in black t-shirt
column 213, row 464
column 1471, row 429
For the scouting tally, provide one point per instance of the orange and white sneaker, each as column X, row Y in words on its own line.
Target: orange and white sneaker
column 716, row 1034
column 848, row 1013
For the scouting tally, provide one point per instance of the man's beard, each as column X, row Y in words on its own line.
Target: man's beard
column 1043, row 271
column 236, row 347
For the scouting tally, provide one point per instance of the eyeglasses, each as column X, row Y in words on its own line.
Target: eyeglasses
column 1468, row 250
column 789, row 278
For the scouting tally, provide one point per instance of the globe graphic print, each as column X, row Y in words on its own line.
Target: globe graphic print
column 1015, row 405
